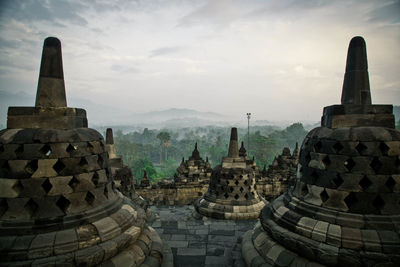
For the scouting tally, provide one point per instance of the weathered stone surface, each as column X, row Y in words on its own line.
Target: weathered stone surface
column 58, row 205
column 345, row 192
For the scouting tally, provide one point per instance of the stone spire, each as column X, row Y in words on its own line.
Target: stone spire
column 233, row 144
column 195, row 153
column 58, row 203
column 109, row 137
column 242, row 151
column 51, row 88
column 356, row 81
column 344, row 208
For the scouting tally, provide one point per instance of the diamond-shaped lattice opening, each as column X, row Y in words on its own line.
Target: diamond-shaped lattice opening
column 63, row 204
column 18, row 187
column 318, row 146
column 232, row 176
column 337, row 147
column 58, row 166
column 47, row 186
column 338, row 180
column 314, row 177
column 241, row 176
column 31, row 207
column 89, row 198
column 231, row 189
column 246, row 196
column 376, row 164
column 73, row 183
column 226, row 195
column 326, row 160
column 378, row 203
column 100, row 161
column 383, row 147
column 83, row 162
column 3, row 206
column 245, row 182
column 304, row 190
column 365, row 183
column 349, row 164
column 236, row 182
column 236, row 196
column 95, row 178
column 71, row 148
column 46, row 150
column 252, row 193
column 255, row 186
column 361, row 148
column 105, row 192
column 19, row 150
column 241, row 189
column 227, row 181
column 31, row 167
column 390, row 183
column 350, row 200
column 90, row 147
column 324, row 196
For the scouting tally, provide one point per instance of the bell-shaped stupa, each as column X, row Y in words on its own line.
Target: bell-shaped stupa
column 58, row 205
column 232, row 191
column 344, row 209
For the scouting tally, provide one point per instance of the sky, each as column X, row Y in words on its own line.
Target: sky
column 278, row 59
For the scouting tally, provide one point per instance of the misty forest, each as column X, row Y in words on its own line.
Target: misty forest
column 159, row 152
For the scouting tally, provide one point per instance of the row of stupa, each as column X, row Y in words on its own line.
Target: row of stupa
column 58, row 204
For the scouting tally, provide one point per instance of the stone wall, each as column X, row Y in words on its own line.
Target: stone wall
column 176, row 195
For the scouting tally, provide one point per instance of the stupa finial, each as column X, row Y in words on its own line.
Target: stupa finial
column 233, row 144
column 356, row 88
column 109, row 137
column 51, row 88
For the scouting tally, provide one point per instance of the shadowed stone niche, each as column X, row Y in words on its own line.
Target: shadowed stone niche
column 344, row 209
column 232, row 191
column 58, row 204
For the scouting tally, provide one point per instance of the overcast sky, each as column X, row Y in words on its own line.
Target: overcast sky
column 280, row 60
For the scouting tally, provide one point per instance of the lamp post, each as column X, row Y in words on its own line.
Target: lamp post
column 248, row 132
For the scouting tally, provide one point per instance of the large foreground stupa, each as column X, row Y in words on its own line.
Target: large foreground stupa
column 58, row 205
column 345, row 207
column 232, row 191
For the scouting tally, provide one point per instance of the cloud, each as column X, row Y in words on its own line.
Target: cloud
column 49, row 11
column 388, row 13
column 165, row 51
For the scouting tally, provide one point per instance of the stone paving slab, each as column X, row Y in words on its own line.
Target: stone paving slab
column 200, row 241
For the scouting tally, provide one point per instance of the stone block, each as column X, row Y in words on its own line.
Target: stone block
column 351, row 238
column 65, row 241
column 305, row 226
column 319, row 232
column 334, row 235
column 42, row 246
column 371, row 241
column 107, row 228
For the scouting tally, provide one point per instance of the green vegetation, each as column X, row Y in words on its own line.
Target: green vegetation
column 159, row 152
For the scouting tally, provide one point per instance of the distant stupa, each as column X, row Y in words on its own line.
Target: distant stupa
column 232, row 191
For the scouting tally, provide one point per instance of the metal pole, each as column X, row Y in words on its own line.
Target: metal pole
column 248, row 133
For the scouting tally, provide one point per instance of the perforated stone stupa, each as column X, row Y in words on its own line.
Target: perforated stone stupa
column 345, row 207
column 57, row 201
column 193, row 170
column 232, row 191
